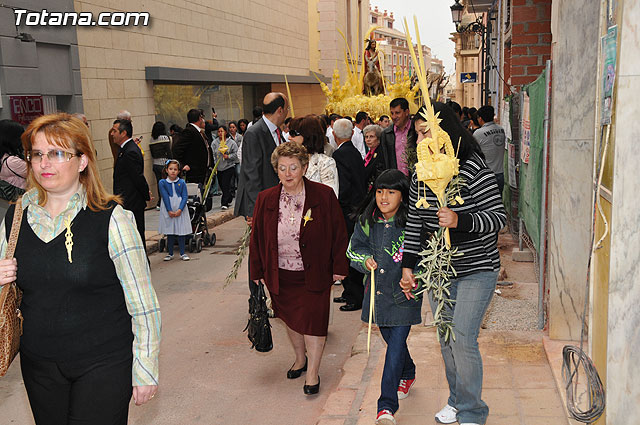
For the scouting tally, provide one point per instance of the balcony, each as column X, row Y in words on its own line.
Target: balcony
column 470, row 44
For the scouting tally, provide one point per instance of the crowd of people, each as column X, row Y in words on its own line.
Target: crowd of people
column 330, row 200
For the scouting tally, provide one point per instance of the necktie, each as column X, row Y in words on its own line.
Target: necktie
column 278, row 134
column 206, row 145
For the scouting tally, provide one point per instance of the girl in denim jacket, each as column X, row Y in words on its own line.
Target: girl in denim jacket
column 377, row 244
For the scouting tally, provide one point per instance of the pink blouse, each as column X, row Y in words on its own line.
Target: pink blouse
column 289, row 219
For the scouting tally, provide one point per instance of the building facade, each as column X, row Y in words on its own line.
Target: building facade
column 224, row 55
column 468, row 50
column 393, row 43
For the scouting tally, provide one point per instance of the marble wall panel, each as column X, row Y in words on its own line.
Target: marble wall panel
column 575, row 49
column 568, row 234
column 623, row 360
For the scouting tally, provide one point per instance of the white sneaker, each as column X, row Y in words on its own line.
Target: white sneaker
column 447, row 415
column 224, row 207
column 168, row 258
column 185, row 257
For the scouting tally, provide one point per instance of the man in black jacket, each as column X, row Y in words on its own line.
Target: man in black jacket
column 128, row 173
column 258, row 142
column 352, row 190
column 192, row 148
column 394, row 138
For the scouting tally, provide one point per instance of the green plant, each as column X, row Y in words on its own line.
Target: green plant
column 436, row 269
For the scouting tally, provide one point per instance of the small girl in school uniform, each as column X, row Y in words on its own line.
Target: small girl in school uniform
column 377, row 244
column 174, row 220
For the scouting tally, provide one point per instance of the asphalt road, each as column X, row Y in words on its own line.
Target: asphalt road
column 209, row 375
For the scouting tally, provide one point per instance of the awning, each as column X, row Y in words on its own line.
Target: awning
column 162, row 74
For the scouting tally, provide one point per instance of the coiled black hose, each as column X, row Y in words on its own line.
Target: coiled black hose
column 574, row 359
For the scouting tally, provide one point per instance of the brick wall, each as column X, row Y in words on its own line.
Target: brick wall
column 506, row 72
column 530, row 40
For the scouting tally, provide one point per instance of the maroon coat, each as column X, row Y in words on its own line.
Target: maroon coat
column 323, row 241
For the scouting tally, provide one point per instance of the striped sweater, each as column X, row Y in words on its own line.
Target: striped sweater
column 480, row 218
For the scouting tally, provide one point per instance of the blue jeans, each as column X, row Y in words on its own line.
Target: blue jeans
column 462, row 360
column 397, row 365
column 171, row 241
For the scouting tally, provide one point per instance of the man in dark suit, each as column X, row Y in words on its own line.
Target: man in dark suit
column 128, row 173
column 394, row 138
column 192, row 149
column 258, row 142
column 352, row 191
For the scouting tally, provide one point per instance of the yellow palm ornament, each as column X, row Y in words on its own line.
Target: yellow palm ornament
column 223, row 147
column 437, row 162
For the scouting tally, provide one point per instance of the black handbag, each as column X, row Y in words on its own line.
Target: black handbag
column 258, row 328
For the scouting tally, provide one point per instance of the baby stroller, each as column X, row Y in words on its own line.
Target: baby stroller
column 198, row 204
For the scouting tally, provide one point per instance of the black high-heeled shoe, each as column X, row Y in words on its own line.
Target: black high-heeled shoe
column 295, row 373
column 312, row 389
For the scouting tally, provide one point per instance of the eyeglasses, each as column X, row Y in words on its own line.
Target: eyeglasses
column 294, row 133
column 57, row 155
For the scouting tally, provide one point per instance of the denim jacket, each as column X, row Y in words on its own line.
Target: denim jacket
column 384, row 242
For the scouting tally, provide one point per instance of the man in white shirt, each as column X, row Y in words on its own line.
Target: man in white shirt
column 332, row 141
column 362, row 120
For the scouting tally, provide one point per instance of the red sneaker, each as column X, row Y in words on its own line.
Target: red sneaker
column 404, row 387
column 385, row 417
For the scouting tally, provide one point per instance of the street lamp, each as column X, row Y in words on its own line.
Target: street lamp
column 476, row 26
column 456, row 13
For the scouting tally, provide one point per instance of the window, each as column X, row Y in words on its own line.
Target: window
column 374, row 20
column 394, row 59
column 389, row 24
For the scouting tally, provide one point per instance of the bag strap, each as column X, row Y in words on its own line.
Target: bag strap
column 15, row 229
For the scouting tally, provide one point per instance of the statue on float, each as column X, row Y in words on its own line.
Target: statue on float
column 372, row 82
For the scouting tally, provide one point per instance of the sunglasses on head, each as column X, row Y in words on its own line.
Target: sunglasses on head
column 294, row 133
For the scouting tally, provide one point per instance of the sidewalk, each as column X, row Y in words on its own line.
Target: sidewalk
column 215, row 217
column 518, row 386
column 518, row 383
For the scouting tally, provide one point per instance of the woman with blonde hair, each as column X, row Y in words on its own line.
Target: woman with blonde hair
column 91, row 329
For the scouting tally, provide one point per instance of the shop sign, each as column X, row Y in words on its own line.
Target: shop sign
column 469, row 77
column 25, row 109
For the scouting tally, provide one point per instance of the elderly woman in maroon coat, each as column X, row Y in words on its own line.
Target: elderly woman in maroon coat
column 298, row 249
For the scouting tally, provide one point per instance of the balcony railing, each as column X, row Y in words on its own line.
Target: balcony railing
column 471, row 41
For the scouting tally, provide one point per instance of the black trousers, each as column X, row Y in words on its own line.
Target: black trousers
column 225, row 178
column 139, row 216
column 157, row 171
column 87, row 392
column 353, row 284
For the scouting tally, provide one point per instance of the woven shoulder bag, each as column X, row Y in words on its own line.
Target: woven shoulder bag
column 10, row 297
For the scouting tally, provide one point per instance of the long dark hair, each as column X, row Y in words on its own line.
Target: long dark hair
column 246, row 123
column 458, row 134
column 226, row 132
column 158, row 129
column 392, row 179
column 10, row 143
